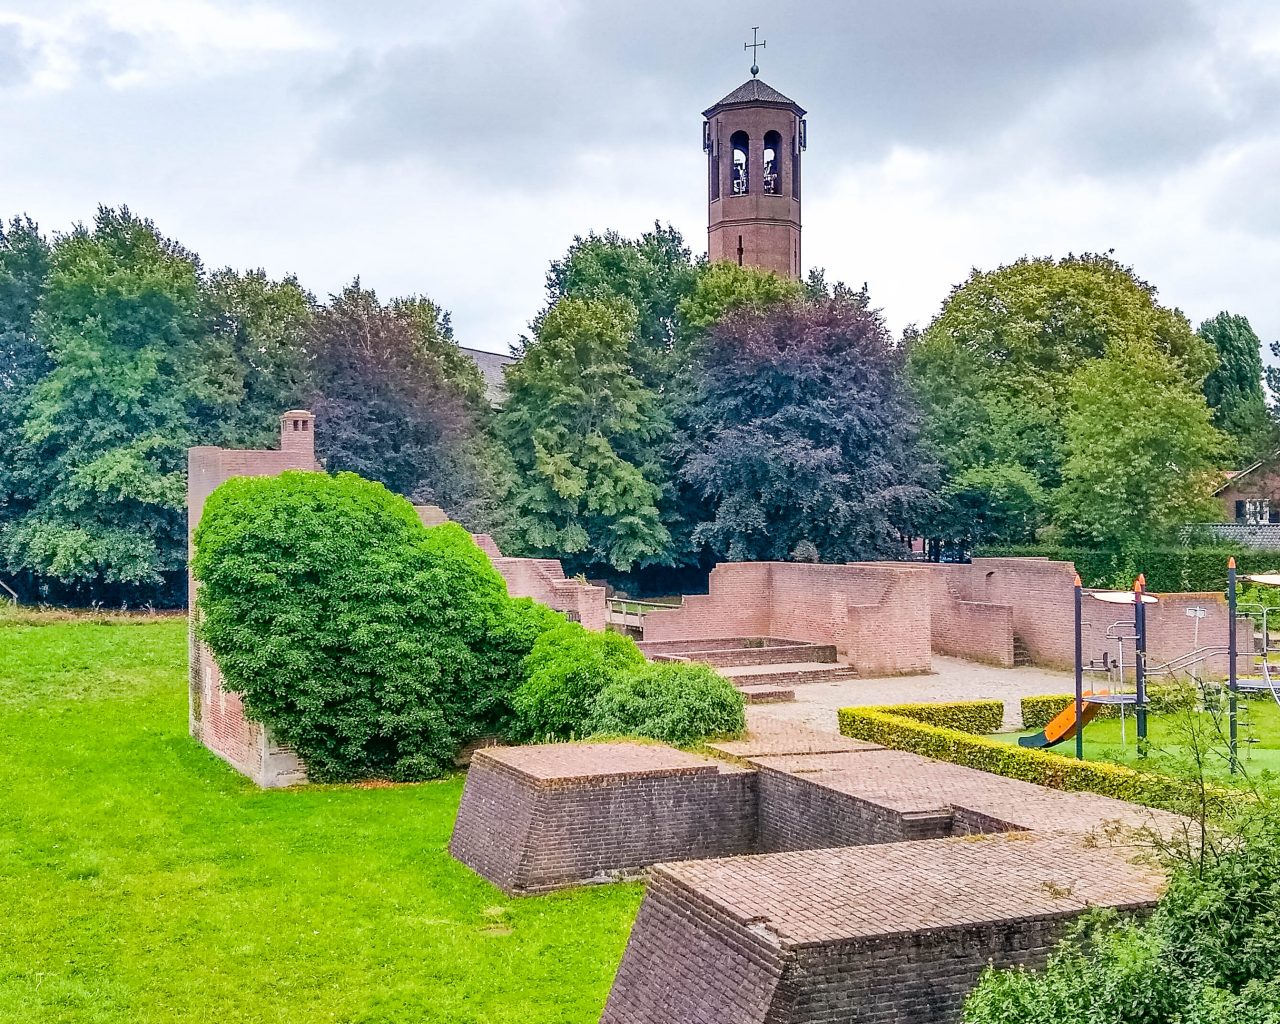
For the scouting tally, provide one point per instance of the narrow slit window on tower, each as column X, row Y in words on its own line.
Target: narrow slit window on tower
column 739, row 250
column 772, row 179
column 739, row 143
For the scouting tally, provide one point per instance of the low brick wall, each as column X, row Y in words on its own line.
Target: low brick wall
column 544, row 817
column 876, row 615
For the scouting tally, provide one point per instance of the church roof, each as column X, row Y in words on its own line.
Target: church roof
column 754, row 91
column 492, row 366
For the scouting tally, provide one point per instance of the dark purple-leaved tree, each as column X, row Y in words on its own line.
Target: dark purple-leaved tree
column 803, row 440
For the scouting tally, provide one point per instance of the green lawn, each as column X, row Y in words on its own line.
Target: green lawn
column 1259, row 745
column 141, row 880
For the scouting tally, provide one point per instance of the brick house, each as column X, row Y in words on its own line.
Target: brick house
column 1251, row 496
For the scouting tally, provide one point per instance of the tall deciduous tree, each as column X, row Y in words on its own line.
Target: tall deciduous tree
column 654, row 272
column 101, row 450
column 993, row 369
column 1140, row 449
column 580, row 425
column 24, row 263
column 385, row 409
column 803, row 436
column 255, row 355
column 1234, row 387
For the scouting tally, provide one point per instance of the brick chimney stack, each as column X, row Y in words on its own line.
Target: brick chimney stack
column 297, row 433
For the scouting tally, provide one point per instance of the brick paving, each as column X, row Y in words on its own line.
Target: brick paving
column 819, row 896
column 816, row 703
column 565, row 761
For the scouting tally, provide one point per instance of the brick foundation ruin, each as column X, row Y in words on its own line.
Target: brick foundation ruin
column 875, row 886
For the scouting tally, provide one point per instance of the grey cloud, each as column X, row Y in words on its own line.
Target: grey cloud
column 511, row 98
column 17, row 57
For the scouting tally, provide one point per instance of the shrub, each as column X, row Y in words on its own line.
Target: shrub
column 374, row 646
column 1014, row 762
column 565, row 671
column 974, row 716
column 1039, row 711
column 673, row 702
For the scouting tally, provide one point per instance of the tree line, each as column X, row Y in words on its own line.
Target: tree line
column 663, row 413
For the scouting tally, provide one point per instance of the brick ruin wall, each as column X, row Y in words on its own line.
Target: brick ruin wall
column 876, row 615
column 529, row 834
column 216, row 716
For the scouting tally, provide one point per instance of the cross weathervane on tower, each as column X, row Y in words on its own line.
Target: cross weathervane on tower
column 753, row 46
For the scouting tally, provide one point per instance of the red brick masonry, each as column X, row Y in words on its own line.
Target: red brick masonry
column 543, row 817
column 886, row 883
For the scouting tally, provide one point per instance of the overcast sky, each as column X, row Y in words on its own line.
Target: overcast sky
column 454, row 148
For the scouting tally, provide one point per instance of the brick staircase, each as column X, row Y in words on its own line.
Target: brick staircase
column 765, row 669
column 1021, row 655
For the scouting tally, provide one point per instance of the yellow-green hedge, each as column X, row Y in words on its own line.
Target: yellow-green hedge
column 1037, row 712
column 1014, row 762
column 973, row 716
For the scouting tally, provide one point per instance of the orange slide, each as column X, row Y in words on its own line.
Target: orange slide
column 1065, row 725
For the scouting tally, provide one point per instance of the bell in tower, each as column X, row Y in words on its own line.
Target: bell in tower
column 753, row 139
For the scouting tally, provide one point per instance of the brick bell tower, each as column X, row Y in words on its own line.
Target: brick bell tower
column 753, row 139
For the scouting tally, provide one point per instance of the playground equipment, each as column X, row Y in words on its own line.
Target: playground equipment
column 1070, row 724
column 1234, row 687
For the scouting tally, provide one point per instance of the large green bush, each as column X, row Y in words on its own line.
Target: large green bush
column 1168, row 569
column 673, row 702
column 373, row 645
column 564, row 673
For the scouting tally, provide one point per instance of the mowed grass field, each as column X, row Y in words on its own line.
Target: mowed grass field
column 143, row 881
column 1259, row 742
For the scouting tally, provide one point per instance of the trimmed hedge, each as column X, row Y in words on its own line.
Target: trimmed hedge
column 1168, row 569
column 978, row 717
column 1039, row 711
column 1014, row 762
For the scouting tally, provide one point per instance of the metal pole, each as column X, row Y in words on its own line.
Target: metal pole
column 1140, row 664
column 1233, row 684
column 1079, row 594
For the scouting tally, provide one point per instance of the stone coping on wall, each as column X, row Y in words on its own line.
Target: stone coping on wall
column 845, row 894
column 559, row 763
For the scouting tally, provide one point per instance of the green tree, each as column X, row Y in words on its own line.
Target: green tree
column 654, row 273
column 1234, row 387
column 436, row 344
column 255, row 354
column 24, row 264
column 1140, row 449
column 580, row 426
column 724, row 287
column 993, row 369
column 101, row 452
column 376, row 647
column 995, row 504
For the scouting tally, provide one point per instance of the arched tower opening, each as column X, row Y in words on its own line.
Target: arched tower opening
column 740, row 145
column 770, row 166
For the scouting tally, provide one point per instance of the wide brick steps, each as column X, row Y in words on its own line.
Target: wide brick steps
column 767, row 693
column 763, row 655
column 787, row 673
